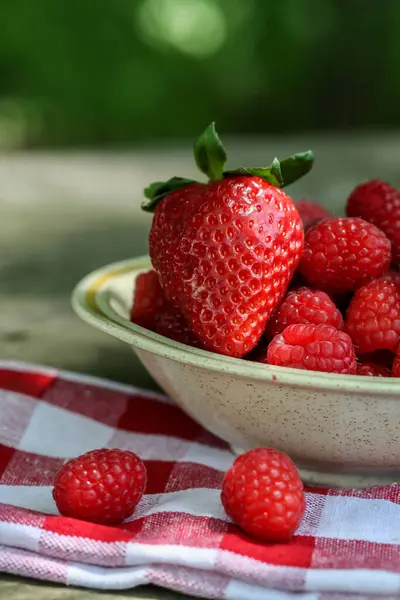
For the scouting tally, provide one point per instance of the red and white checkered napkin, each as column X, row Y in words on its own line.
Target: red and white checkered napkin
column 179, row 537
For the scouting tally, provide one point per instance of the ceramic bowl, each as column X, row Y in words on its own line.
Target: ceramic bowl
column 341, row 430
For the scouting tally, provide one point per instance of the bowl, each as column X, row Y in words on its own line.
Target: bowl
column 341, row 430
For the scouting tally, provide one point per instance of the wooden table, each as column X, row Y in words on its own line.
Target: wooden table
column 63, row 215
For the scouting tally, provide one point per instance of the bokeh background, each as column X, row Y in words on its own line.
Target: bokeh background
column 109, row 73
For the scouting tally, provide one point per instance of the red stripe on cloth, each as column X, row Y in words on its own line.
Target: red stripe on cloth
column 187, row 475
column 30, row 384
column 18, row 467
column 97, row 403
column 29, row 564
column 21, row 516
column 298, row 553
column 66, row 526
column 316, row 490
column 355, row 554
column 26, row 468
column 178, row 529
column 6, row 454
column 145, row 415
column 158, row 474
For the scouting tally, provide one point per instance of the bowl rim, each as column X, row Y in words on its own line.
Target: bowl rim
column 91, row 300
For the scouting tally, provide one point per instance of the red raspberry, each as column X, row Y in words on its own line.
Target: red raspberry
column 150, row 309
column 311, row 213
column 396, row 365
column 344, row 254
column 373, row 369
column 305, row 306
column 102, row 486
column 314, row 348
column 379, row 203
column 173, row 325
column 262, row 493
column 148, row 299
column 373, row 317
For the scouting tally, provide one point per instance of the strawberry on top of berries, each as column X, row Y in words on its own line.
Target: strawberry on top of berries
column 225, row 250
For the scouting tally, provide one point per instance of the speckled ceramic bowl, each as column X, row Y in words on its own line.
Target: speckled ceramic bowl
column 339, row 429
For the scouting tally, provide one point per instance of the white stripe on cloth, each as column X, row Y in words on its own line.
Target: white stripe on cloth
column 35, row 498
column 350, row 518
column 198, row 558
column 353, row 581
column 19, row 535
column 104, row 578
column 201, row 502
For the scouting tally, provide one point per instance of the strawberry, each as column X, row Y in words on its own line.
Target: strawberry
column 225, row 250
column 379, row 203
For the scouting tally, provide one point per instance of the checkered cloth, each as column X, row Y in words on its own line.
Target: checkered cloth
column 179, row 536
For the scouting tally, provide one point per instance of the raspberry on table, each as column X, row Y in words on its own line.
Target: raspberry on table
column 102, row 486
column 373, row 317
column 305, row 305
column 313, row 348
column 373, row 369
column 344, row 254
column 262, row 493
column 379, row 203
column 311, row 213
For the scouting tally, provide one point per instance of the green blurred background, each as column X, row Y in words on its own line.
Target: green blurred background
column 120, row 72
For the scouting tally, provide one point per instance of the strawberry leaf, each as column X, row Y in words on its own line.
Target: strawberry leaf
column 296, row 166
column 280, row 172
column 209, row 153
column 156, row 191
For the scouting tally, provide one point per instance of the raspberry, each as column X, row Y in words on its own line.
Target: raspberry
column 148, row 299
column 305, row 306
column 344, row 254
column 263, row 494
column 314, row 348
column 373, row 369
column 173, row 325
column 102, row 486
column 150, row 309
column 396, row 365
column 379, row 203
column 311, row 213
column 373, row 317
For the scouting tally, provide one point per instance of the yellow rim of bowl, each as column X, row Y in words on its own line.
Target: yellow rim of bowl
column 90, row 300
